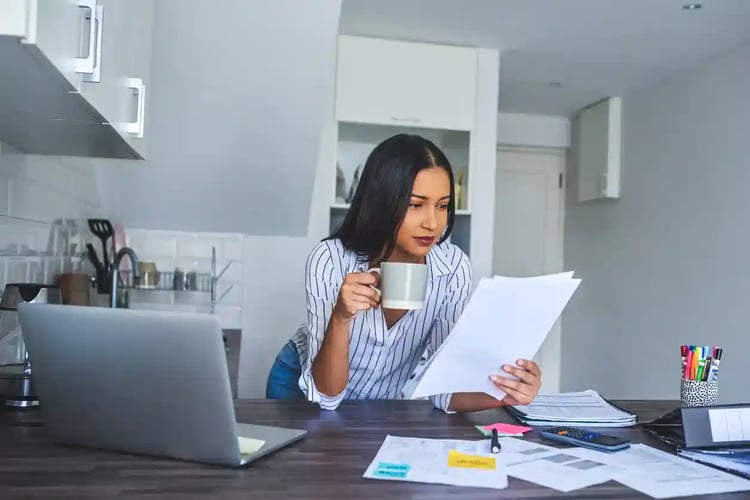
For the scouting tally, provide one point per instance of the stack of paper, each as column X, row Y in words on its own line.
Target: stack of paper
column 505, row 319
column 573, row 409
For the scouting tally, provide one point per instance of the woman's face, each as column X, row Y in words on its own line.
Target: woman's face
column 426, row 217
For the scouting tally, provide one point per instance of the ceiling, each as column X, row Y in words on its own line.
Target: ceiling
column 558, row 56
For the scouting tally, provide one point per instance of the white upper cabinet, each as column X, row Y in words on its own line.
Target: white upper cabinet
column 56, row 28
column 80, row 70
column 599, row 150
column 120, row 93
column 392, row 82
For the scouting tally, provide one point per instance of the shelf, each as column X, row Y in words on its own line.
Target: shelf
column 345, row 206
column 355, row 142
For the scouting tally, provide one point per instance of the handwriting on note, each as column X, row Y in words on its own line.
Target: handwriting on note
column 465, row 461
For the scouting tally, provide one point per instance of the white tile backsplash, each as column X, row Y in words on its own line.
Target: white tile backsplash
column 4, row 194
column 29, row 200
column 137, row 239
column 161, row 244
column 16, row 269
column 231, row 248
column 192, row 252
column 36, row 190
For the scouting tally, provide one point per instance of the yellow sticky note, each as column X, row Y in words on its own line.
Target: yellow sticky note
column 458, row 459
column 250, row 445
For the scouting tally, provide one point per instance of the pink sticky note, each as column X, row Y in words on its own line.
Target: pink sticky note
column 507, row 428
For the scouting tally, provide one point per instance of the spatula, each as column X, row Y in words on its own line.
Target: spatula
column 102, row 228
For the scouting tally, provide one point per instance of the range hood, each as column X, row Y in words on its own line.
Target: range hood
column 42, row 113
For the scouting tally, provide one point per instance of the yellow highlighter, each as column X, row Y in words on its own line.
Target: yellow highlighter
column 694, row 368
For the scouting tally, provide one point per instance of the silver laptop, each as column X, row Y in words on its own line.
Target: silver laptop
column 144, row 382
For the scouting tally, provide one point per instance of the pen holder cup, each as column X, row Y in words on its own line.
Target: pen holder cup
column 698, row 393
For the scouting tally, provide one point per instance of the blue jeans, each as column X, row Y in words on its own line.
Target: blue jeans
column 283, row 379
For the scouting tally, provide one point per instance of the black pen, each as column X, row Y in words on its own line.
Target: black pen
column 495, row 443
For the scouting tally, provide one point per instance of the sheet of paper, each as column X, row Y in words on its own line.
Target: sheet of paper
column 739, row 462
column 555, row 468
column 663, row 475
column 505, row 319
column 248, row 446
column 438, row 461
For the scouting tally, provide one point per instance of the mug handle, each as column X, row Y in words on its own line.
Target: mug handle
column 375, row 270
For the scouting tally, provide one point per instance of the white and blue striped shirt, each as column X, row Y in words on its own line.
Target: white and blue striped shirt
column 381, row 360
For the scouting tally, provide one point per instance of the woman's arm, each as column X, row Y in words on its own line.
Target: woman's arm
column 473, row 401
column 330, row 368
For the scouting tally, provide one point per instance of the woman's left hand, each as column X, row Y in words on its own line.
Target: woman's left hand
column 521, row 391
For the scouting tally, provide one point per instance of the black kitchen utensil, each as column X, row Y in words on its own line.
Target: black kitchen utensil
column 102, row 273
column 93, row 258
column 102, row 228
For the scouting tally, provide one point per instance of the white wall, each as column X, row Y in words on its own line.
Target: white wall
column 192, row 252
column 516, row 129
column 236, row 109
column 34, row 191
column 667, row 264
column 274, row 304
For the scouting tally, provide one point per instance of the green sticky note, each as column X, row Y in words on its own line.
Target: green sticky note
column 248, row 446
column 488, row 433
column 484, row 432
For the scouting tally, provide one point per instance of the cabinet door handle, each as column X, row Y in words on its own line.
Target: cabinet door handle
column 86, row 64
column 139, row 89
column 95, row 76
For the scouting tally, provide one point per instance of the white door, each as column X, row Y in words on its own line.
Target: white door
column 528, row 230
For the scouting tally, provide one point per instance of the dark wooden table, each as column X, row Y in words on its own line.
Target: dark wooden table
column 327, row 464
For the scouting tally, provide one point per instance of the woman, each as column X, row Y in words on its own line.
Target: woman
column 402, row 211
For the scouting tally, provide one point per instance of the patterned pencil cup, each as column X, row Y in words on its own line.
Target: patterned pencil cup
column 698, row 393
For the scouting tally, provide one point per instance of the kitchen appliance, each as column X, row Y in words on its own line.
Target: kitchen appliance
column 16, row 388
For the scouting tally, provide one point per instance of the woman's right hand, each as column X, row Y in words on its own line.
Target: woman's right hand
column 356, row 295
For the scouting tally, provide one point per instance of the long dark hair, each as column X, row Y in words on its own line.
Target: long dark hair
column 382, row 197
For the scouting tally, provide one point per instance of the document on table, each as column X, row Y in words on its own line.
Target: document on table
column 505, row 319
column 663, row 475
column 438, row 461
column 556, row 468
column 733, row 460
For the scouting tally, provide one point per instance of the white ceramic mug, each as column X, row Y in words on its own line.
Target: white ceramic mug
column 402, row 285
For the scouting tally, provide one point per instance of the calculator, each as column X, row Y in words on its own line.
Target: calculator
column 585, row 439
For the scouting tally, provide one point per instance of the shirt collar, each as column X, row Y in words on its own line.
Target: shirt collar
column 438, row 262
